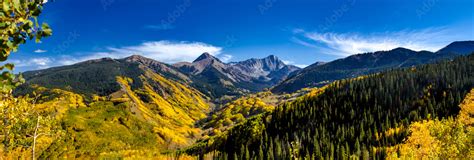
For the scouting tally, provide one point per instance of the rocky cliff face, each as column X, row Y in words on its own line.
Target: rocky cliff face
column 250, row 75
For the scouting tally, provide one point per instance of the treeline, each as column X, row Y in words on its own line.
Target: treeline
column 356, row 118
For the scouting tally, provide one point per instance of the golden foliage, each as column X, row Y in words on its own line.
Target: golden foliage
column 435, row 139
column 25, row 115
column 237, row 111
column 466, row 115
column 170, row 106
column 143, row 154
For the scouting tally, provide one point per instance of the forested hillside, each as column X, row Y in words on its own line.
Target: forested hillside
column 383, row 103
column 97, row 77
column 207, row 74
column 447, row 138
column 318, row 75
column 146, row 120
column 362, row 117
column 237, row 111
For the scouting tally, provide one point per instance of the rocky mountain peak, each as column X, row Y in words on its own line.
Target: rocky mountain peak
column 205, row 56
column 272, row 57
column 136, row 58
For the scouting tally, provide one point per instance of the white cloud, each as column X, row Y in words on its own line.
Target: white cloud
column 287, row 62
column 159, row 27
column 41, row 61
column 225, row 57
column 344, row 44
column 293, row 63
column 34, row 63
column 163, row 51
column 301, row 65
column 40, row 51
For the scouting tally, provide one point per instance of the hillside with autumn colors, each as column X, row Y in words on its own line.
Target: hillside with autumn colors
column 143, row 80
column 417, row 112
column 151, row 110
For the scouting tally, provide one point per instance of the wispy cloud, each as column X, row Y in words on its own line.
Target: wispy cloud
column 159, row 27
column 164, row 51
column 293, row 63
column 40, row 51
column 34, row 63
column 225, row 57
column 344, row 44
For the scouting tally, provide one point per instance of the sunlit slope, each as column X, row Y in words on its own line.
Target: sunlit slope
column 237, row 111
column 97, row 77
column 154, row 92
column 146, row 112
column 171, row 107
column 48, row 108
column 145, row 121
column 445, row 139
column 360, row 117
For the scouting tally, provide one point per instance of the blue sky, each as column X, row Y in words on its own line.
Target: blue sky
column 300, row 32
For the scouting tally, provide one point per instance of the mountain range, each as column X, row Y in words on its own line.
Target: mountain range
column 318, row 74
column 217, row 79
column 135, row 103
column 207, row 74
column 236, row 78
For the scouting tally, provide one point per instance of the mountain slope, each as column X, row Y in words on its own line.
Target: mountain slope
column 269, row 70
column 355, row 65
column 207, row 74
column 154, row 93
column 357, row 118
column 97, row 76
column 460, row 47
column 132, row 103
column 212, row 76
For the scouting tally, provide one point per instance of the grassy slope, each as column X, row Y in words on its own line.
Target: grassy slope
column 237, row 111
column 155, row 117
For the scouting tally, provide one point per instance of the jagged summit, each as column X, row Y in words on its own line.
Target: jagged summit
column 271, row 57
column 267, row 64
column 252, row 74
column 205, row 56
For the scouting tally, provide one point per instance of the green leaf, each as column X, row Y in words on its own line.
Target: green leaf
column 7, row 75
column 21, row 79
column 3, row 54
column 17, row 5
column 36, row 11
column 10, row 44
column 36, row 22
column 46, row 30
column 38, row 37
column 6, row 7
column 9, row 66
